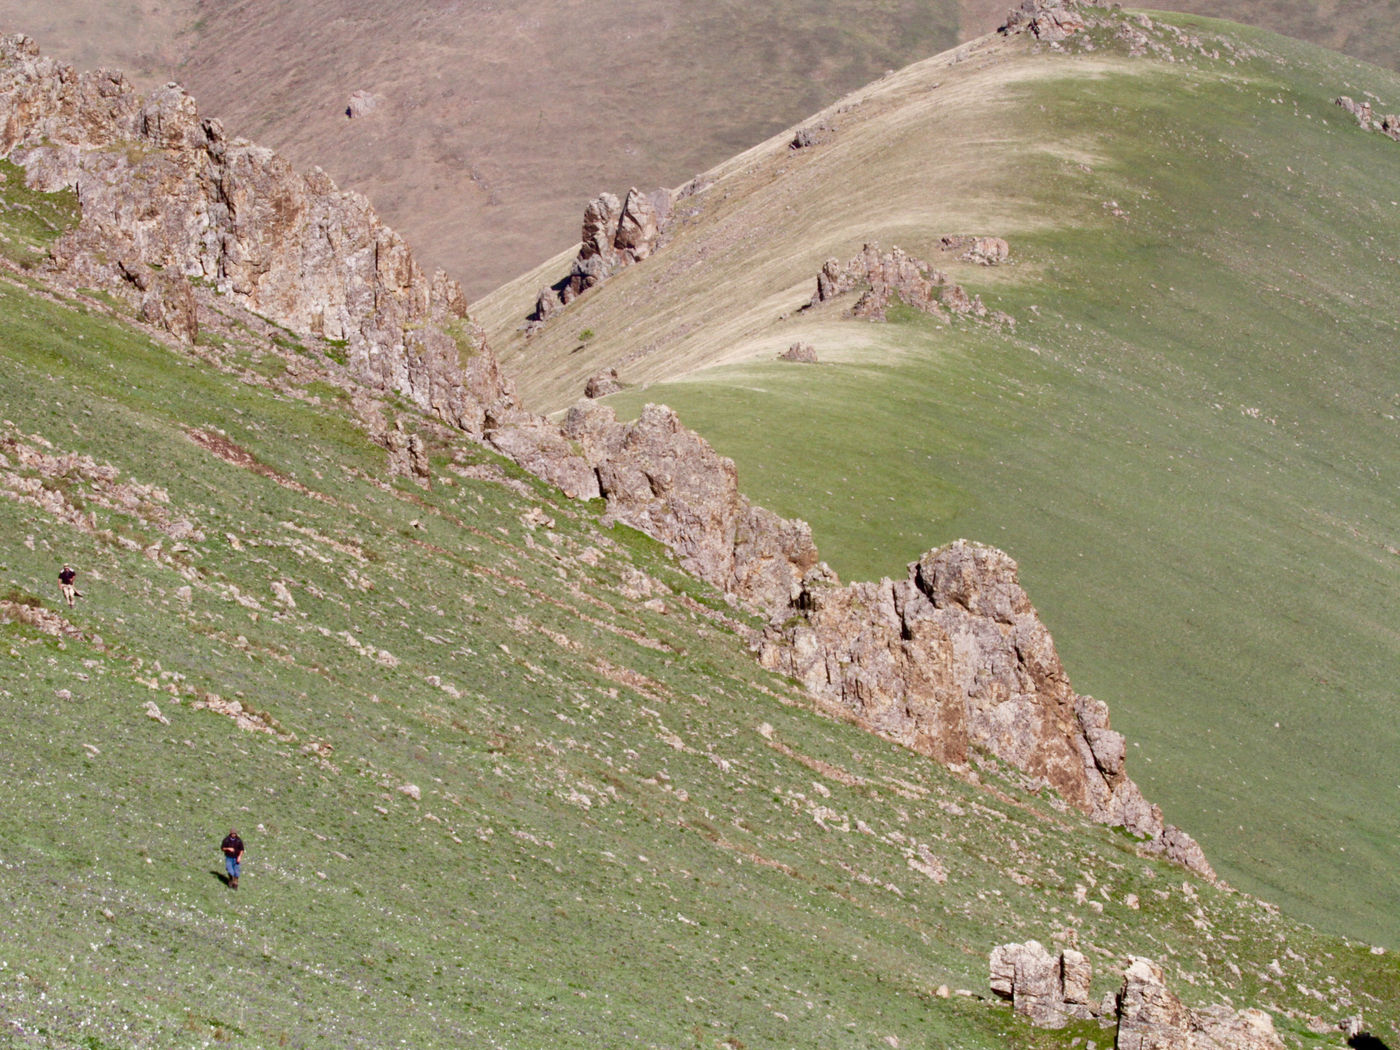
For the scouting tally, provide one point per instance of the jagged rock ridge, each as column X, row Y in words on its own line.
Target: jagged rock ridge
column 173, row 212
column 167, row 197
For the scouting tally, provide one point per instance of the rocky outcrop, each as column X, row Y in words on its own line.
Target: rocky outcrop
column 668, row 482
column 1049, row 990
column 167, row 198
column 884, row 277
column 1387, row 124
column 802, row 353
column 615, row 235
column 811, row 135
column 1047, row 20
column 1151, row 1017
column 954, row 658
column 601, row 384
column 984, row 251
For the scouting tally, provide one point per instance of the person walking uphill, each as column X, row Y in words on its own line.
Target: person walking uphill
column 233, row 856
column 66, row 576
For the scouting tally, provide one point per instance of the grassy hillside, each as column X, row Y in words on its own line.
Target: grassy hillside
column 1189, row 441
column 505, row 776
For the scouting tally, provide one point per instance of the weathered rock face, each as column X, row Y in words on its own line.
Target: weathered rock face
column 166, row 196
column 1049, row 990
column 886, row 276
column 954, row 657
column 541, row 448
column 666, row 481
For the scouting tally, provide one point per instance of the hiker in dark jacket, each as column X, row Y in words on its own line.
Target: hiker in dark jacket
column 66, row 576
column 233, row 856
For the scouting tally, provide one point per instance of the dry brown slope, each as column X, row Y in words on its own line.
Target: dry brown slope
column 498, row 120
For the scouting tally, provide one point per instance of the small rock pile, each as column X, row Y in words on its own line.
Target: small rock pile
column 811, row 135
column 1388, row 124
column 887, row 276
column 984, row 251
column 802, row 353
column 602, row 384
column 1049, row 990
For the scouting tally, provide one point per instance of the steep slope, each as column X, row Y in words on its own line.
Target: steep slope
column 506, row 776
column 1187, row 441
column 492, row 123
column 185, row 225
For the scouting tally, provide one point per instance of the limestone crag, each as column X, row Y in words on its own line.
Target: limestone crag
column 1387, row 124
column 954, row 658
column 167, row 197
column 1049, row 990
column 615, row 235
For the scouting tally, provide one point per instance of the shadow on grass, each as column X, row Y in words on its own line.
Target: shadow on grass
column 1366, row 1041
column 221, row 876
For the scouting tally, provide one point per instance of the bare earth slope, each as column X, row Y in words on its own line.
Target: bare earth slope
column 495, row 122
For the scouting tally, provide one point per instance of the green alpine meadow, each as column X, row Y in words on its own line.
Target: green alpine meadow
column 509, row 774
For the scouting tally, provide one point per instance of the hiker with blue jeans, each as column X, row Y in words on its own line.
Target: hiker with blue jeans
column 233, row 856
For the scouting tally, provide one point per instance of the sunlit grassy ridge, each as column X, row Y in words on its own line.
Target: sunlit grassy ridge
column 1188, row 443
column 526, row 788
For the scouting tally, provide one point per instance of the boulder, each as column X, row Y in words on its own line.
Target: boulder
column 1047, row 989
column 362, row 103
